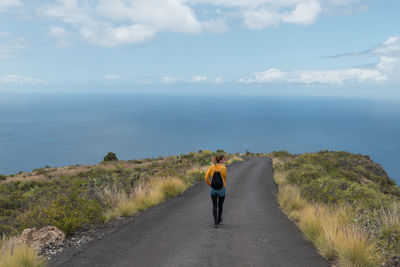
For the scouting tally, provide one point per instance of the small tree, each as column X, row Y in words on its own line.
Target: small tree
column 110, row 157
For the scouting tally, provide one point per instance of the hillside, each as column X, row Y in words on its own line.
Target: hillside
column 328, row 193
column 74, row 196
column 344, row 203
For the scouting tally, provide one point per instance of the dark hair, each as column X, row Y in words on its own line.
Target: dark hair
column 217, row 159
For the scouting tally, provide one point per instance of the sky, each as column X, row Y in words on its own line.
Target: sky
column 310, row 47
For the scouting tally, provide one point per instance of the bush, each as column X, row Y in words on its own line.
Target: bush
column 173, row 187
column 390, row 238
column 280, row 153
column 68, row 211
column 2, row 177
column 206, row 153
column 110, row 157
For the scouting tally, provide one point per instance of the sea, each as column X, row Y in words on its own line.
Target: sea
column 39, row 129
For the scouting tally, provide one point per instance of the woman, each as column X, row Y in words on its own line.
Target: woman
column 216, row 179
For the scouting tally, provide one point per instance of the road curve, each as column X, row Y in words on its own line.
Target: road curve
column 180, row 231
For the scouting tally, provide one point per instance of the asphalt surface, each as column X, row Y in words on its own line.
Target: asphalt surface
column 180, row 231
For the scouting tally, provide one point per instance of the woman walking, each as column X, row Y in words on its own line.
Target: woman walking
column 216, row 179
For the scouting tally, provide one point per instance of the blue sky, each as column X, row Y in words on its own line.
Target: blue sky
column 317, row 47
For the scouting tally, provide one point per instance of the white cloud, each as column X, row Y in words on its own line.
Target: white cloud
column 7, row 5
column 353, row 75
column 387, row 69
column 344, row 6
column 390, row 47
column 108, row 35
column 215, row 26
column 389, row 57
column 58, row 32
column 259, row 14
column 9, row 46
column 120, row 22
column 197, row 79
column 17, row 79
column 260, row 19
column 271, row 75
column 389, row 62
column 61, row 35
column 168, row 80
column 194, row 79
column 218, row 80
column 160, row 15
column 304, row 13
column 112, row 77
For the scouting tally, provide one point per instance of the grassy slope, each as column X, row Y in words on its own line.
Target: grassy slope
column 344, row 203
column 76, row 196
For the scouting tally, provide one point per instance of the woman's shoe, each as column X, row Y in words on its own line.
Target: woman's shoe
column 220, row 220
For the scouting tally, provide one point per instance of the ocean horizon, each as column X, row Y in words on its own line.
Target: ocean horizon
column 65, row 129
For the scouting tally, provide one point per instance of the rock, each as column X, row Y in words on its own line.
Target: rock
column 48, row 236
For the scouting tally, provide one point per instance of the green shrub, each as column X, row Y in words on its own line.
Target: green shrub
column 68, row 211
column 2, row 177
column 337, row 165
column 195, row 176
column 280, row 153
column 40, row 171
column 390, row 238
column 359, row 195
column 303, row 177
column 206, row 153
column 325, row 190
column 110, row 157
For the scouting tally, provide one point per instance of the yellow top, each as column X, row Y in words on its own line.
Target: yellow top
column 212, row 169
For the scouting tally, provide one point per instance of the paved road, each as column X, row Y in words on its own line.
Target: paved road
column 180, row 231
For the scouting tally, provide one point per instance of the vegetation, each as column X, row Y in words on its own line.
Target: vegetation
column 17, row 255
column 344, row 203
column 142, row 197
column 110, row 157
column 80, row 196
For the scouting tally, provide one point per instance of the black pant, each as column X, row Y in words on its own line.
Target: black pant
column 217, row 201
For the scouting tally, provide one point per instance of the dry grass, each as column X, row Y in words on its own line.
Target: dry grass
column 348, row 244
column 330, row 229
column 197, row 168
column 280, row 178
column 390, row 217
column 289, row 198
column 234, row 159
column 355, row 248
column 46, row 173
column 18, row 255
column 144, row 196
column 277, row 162
column 281, row 160
column 56, row 172
column 173, row 187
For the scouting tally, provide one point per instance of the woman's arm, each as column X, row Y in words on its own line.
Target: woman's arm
column 224, row 175
column 207, row 177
